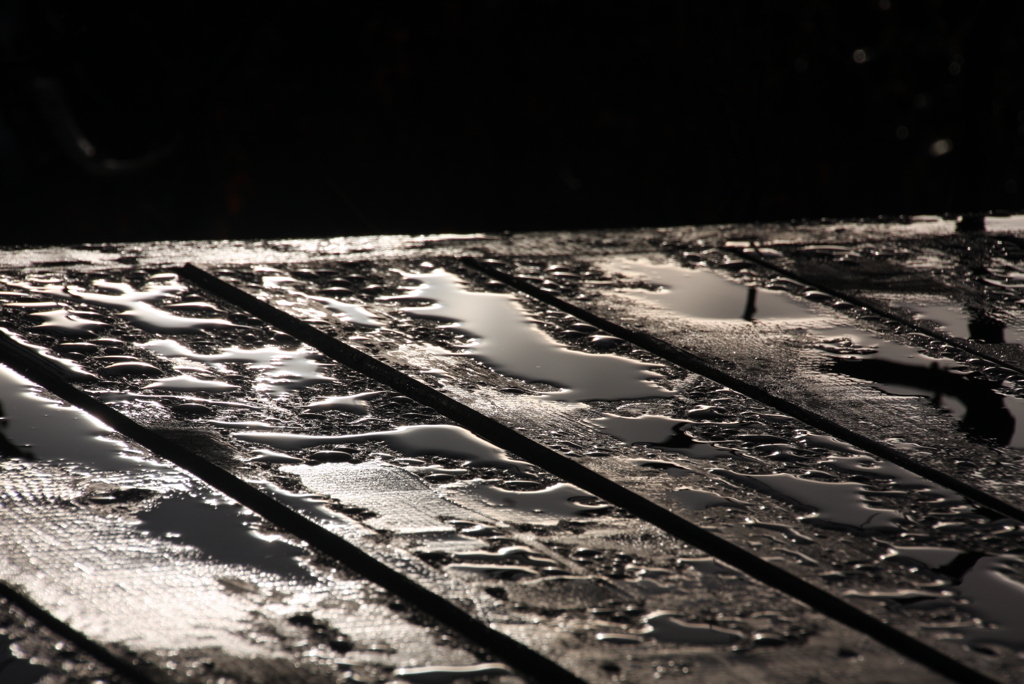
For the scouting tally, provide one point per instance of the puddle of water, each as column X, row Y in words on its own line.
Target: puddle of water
column 967, row 323
column 560, row 499
column 410, row 441
column 283, row 371
column 673, row 629
column 861, row 463
column 353, row 403
column 188, row 383
column 42, row 429
column 659, row 432
column 699, row 293
column 63, row 323
column 872, row 467
column 66, row 368
column 440, row 674
column 891, row 367
column 224, row 535
column 349, row 312
column 135, row 306
column 508, row 341
column 996, row 599
column 835, row 504
column 898, row 369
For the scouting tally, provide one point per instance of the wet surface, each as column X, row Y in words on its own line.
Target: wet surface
column 553, row 566
column 700, row 293
column 901, row 386
column 859, row 494
column 15, row 668
column 31, row 653
column 445, row 441
column 990, row 587
column 186, row 579
column 450, row 504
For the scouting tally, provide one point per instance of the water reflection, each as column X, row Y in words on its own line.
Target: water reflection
column 411, row 441
column 223, row 534
column 979, row 405
column 659, row 432
column 34, row 426
column 698, row 293
column 508, row 341
column 969, row 323
column 974, row 401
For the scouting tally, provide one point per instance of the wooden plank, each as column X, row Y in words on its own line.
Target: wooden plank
column 161, row 570
column 635, row 573
column 510, row 399
column 955, row 413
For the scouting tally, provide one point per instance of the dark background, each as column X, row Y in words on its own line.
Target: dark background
column 216, row 120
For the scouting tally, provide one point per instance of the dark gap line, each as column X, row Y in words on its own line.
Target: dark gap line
column 123, row 668
column 510, row 651
column 696, row 364
column 561, row 466
column 877, row 310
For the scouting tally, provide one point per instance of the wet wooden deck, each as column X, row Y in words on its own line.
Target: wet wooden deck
column 716, row 454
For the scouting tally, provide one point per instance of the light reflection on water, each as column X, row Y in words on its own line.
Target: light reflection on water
column 981, row 407
column 508, row 340
column 699, row 293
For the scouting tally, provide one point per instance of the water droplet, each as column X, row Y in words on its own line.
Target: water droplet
column 268, row 456
column 192, row 410
column 502, row 572
column 129, row 368
column 511, row 554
